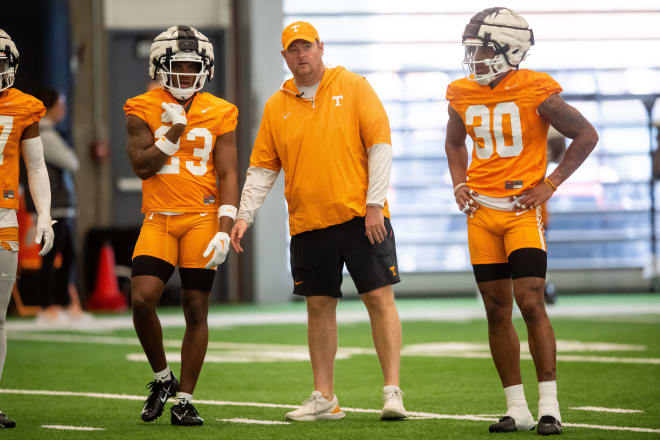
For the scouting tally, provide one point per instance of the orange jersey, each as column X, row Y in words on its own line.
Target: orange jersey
column 187, row 182
column 509, row 136
column 18, row 110
column 322, row 146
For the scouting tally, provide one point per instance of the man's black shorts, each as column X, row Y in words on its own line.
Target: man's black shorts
column 318, row 257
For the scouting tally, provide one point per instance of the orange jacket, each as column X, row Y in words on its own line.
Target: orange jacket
column 187, row 182
column 322, row 146
column 18, row 110
column 509, row 154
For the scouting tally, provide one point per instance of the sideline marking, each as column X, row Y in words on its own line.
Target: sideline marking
column 609, row 410
column 72, row 428
column 414, row 414
column 254, row 421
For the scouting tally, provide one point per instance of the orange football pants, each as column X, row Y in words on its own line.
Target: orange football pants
column 494, row 234
column 178, row 239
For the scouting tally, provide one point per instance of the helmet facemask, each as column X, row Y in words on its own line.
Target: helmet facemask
column 7, row 72
column 181, row 44
column 496, row 40
column 171, row 80
column 8, row 61
column 483, row 67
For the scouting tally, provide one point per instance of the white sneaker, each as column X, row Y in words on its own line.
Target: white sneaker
column 317, row 408
column 393, row 407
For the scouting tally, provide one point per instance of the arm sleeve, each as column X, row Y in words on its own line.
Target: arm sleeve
column 374, row 125
column 258, row 183
column 37, row 175
column 57, row 152
column 380, row 167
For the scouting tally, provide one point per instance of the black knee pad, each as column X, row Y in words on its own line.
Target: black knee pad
column 491, row 272
column 528, row 262
column 155, row 267
column 196, row 279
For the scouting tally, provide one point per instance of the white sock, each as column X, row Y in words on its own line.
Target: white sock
column 515, row 396
column 548, row 403
column 183, row 396
column 162, row 376
column 390, row 388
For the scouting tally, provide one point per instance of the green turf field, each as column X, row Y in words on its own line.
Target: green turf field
column 258, row 371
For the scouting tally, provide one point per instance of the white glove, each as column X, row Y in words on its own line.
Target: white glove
column 219, row 244
column 174, row 113
column 45, row 232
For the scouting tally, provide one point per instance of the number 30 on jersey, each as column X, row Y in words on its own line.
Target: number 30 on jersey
column 494, row 138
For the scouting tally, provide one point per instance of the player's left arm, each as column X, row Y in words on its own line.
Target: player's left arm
column 37, row 174
column 226, row 168
column 572, row 124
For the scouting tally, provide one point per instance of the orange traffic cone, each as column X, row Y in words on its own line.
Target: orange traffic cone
column 106, row 295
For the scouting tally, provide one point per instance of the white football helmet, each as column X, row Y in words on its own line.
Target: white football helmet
column 8, row 61
column 177, row 44
column 505, row 32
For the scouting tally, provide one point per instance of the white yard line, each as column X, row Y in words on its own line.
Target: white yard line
column 608, row 410
column 248, row 352
column 254, row 422
column 413, row 414
column 72, row 428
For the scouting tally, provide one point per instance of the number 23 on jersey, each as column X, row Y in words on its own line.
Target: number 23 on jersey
column 499, row 129
column 202, row 153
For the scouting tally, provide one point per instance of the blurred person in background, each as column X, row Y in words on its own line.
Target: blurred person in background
column 327, row 129
column 59, row 295
column 19, row 133
column 181, row 144
column 556, row 148
column 656, row 156
column 506, row 112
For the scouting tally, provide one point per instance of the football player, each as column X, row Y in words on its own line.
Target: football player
column 19, row 132
column 506, row 111
column 181, row 143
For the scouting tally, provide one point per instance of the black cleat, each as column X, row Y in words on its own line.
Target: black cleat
column 185, row 414
column 548, row 425
column 6, row 422
column 160, row 392
column 506, row 424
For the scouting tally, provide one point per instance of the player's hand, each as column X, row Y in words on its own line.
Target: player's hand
column 45, row 233
column 532, row 198
column 219, row 244
column 174, row 113
column 465, row 202
column 237, row 232
column 374, row 224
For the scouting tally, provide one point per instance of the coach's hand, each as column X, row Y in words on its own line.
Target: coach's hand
column 219, row 244
column 374, row 224
column 174, row 113
column 237, row 232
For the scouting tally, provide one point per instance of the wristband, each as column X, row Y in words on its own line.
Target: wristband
column 227, row 211
column 166, row 146
column 458, row 186
column 550, row 184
